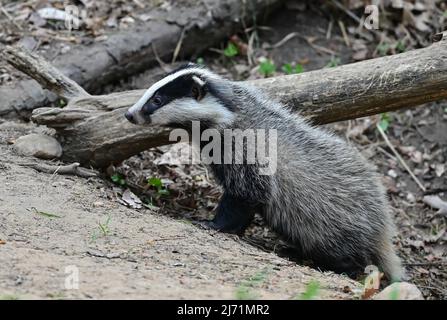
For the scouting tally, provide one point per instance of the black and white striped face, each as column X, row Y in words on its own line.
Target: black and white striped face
column 188, row 94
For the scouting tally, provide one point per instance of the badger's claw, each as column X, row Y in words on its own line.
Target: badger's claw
column 207, row 225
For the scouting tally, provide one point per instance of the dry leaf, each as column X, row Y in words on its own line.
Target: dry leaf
column 400, row 291
column 437, row 203
column 131, row 199
column 55, row 14
column 439, row 169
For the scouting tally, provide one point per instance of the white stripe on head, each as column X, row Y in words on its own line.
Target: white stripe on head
column 188, row 109
column 156, row 86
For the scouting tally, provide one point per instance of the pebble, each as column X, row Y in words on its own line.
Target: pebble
column 400, row 291
column 39, row 146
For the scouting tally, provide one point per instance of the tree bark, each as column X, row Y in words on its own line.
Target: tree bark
column 190, row 28
column 93, row 129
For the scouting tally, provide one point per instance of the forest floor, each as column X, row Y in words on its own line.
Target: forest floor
column 155, row 252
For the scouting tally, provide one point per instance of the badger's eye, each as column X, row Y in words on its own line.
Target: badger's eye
column 156, row 101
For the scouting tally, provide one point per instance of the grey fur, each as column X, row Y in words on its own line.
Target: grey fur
column 324, row 197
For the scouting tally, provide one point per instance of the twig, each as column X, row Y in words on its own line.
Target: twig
column 250, row 50
column 321, row 49
column 386, row 153
column 292, row 35
column 284, row 40
column 347, row 11
column 9, row 17
column 161, row 63
column 329, row 29
column 309, row 42
column 401, row 160
column 178, row 46
column 43, row 72
column 343, row 32
column 167, row 239
column 71, row 169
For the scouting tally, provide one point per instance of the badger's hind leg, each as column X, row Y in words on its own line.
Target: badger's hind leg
column 233, row 215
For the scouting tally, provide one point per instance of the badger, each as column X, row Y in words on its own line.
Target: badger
column 324, row 197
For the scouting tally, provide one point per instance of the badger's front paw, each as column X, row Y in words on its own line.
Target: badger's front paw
column 207, row 225
column 214, row 225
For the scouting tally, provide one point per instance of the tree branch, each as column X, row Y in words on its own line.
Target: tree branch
column 93, row 129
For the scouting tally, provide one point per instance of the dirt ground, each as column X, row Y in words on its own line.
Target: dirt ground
column 156, row 251
column 51, row 222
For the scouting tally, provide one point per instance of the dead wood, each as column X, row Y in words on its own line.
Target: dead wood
column 184, row 29
column 70, row 169
column 93, row 130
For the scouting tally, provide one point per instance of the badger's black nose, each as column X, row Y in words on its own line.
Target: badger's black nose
column 129, row 117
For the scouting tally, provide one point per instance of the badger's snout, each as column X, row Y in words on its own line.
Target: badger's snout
column 136, row 117
column 129, row 116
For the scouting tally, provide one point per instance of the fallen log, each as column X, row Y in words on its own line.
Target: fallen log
column 93, row 130
column 191, row 28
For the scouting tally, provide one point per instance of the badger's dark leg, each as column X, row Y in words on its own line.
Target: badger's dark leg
column 233, row 215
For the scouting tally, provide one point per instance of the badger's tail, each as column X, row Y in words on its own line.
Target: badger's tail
column 387, row 260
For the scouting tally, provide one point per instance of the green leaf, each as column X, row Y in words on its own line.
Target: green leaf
column 334, row 62
column 163, row 192
column 231, row 50
column 383, row 49
column 155, row 182
column 287, row 68
column 311, row 291
column 400, row 47
column 45, row 214
column 118, row 179
column 384, row 121
column 267, row 68
column 201, row 61
column 245, row 293
column 299, row 68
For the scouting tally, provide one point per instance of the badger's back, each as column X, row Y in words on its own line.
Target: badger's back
column 324, row 196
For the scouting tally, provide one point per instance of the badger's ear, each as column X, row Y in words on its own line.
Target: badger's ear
column 198, row 88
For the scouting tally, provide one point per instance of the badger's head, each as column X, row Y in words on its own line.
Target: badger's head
column 190, row 93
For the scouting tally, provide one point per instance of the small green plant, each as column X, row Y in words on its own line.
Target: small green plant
column 267, row 68
column 231, row 50
column 383, row 49
column 400, row 47
column 289, row 69
column 245, row 293
column 103, row 229
column 312, row 290
column 334, row 62
column 118, row 179
column 62, row 103
column 45, row 214
column 56, row 296
column 158, row 185
column 200, row 61
column 246, row 290
column 385, row 120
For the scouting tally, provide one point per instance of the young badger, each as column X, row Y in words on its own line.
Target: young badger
column 324, row 197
